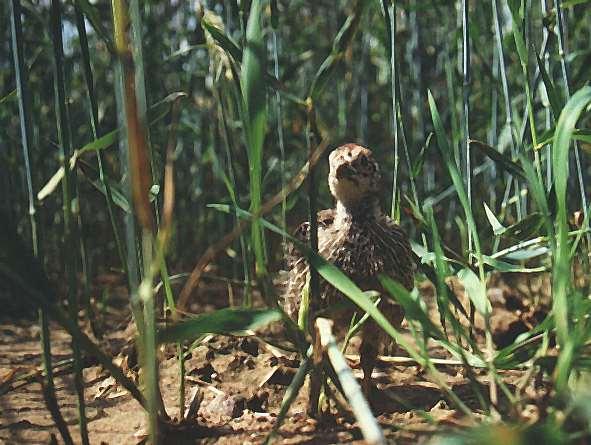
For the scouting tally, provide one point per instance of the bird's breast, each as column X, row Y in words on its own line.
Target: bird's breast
column 354, row 248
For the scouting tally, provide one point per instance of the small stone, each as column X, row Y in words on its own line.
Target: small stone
column 226, row 406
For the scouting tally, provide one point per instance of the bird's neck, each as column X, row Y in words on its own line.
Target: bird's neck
column 363, row 210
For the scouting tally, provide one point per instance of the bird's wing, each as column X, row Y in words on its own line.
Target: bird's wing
column 298, row 266
column 325, row 218
column 404, row 258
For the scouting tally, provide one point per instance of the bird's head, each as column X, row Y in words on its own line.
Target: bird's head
column 354, row 175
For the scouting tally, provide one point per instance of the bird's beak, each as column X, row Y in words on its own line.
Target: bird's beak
column 345, row 171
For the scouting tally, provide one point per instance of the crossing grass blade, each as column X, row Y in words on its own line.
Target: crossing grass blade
column 553, row 97
column 290, row 395
column 477, row 291
column 539, row 195
column 223, row 321
column 501, row 159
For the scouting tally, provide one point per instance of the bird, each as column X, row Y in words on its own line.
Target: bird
column 360, row 239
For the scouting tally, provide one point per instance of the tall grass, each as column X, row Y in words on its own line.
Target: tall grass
column 22, row 90
column 69, row 188
column 318, row 81
column 254, row 115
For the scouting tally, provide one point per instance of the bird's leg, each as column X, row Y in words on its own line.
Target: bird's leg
column 368, row 356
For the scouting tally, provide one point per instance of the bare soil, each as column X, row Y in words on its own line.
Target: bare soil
column 243, row 380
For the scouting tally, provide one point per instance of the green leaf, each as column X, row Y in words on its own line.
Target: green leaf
column 157, row 112
column 290, row 396
column 582, row 135
column 562, row 259
column 525, row 228
column 119, row 198
column 476, row 291
column 553, row 96
column 503, row 266
column 254, row 116
column 412, row 309
column 537, row 191
column 93, row 16
column 523, row 349
column 8, row 96
column 223, row 321
column 498, row 228
column 519, row 41
column 527, row 253
column 502, row 160
column 226, row 42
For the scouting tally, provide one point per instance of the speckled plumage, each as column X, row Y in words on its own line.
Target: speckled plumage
column 362, row 241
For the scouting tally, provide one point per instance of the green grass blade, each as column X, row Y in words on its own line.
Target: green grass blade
column 538, row 193
column 502, row 160
column 290, row 395
column 454, row 173
column 19, row 249
column 254, row 110
column 223, row 321
column 93, row 117
column 412, row 309
column 562, row 259
column 223, row 40
column 341, row 42
column 553, row 96
column 68, row 194
column 92, row 14
column 476, row 291
column 498, row 228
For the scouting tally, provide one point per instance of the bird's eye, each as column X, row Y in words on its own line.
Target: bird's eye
column 363, row 161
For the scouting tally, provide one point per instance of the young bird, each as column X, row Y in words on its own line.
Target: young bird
column 363, row 242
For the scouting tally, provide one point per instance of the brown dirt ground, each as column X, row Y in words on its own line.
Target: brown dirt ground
column 243, row 380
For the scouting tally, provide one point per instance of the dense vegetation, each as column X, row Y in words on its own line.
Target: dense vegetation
column 136, row 135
